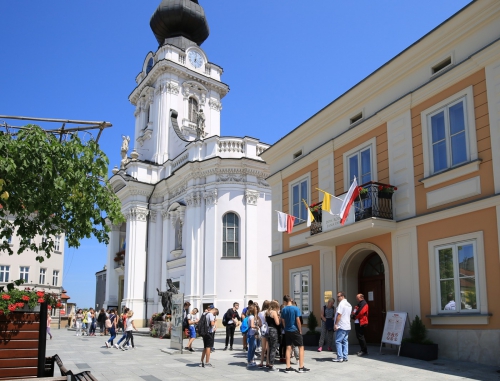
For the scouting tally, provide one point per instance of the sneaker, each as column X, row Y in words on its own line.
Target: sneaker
column 345, row 360
column 122, row 348
column 230, row 348
column 288, row 370
column 361, row 353
column 191, row 350
column 129, row 346
column 338, row 360
column 208, row 365
column 320, row 349
column 273, row 369
column 116, row 346
column 225, row 349
column 245, row 349
column 106, row 344
column 303, row 370
column 251, row 364
column 201, row 365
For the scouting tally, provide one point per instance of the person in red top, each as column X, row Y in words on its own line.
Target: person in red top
column 360, row 316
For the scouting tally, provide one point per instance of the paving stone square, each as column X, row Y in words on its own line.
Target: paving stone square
column 148, row 363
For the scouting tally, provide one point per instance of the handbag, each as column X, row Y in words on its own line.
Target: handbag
column 107, row 323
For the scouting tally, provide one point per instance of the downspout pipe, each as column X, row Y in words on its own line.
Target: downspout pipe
column 147, row 256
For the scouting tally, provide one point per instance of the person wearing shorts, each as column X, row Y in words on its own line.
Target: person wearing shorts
column 290, row 317
column 192, row 320
column 208, row 339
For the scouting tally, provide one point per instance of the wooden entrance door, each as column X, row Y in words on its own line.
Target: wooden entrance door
column 371, row 280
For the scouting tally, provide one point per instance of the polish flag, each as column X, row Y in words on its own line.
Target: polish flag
column 349, row 199
column 285, row 222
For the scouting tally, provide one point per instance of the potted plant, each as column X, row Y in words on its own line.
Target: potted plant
column 386, row 191
column 311, row 338
column 363, row 193
column 417, row 346
column 28, row 299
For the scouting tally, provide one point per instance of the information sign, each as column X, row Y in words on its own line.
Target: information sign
column 394, row 327
column 176, row 334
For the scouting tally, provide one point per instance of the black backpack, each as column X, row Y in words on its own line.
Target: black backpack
column 185, row 323
column 203, row 325
column 226, row 318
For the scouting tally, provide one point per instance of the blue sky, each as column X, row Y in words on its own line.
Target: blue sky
column 283, row 61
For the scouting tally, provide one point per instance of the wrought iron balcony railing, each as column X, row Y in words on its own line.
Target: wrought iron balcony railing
column 374, row 200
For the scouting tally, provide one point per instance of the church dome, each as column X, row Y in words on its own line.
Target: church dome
column 180, row 18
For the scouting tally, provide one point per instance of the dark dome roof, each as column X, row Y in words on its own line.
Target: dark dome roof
column 180, row 18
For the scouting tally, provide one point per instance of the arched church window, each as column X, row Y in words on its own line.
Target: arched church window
column 193, row 109
column 150, row 65
column 230, row 234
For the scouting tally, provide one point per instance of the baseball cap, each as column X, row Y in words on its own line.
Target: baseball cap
column 211, row 306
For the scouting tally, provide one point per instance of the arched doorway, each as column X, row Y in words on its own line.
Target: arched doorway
column 371, row 283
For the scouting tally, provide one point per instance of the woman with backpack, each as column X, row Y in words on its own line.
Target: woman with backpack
column 192, row 319
column 112, row 328
column 327, row 314
column 252, row 334
column 264, row 334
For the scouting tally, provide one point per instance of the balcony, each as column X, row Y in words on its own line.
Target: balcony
column 119, row 260
column 371, row 215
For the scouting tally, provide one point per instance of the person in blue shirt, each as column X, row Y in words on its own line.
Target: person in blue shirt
column 290, row 317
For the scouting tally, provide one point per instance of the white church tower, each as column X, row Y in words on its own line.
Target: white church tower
column 197, row 205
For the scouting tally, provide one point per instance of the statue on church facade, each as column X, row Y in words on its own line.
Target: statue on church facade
column 124, row 151
column 200, row 124
column 166, row 297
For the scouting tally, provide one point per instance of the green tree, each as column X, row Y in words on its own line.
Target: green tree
column 50, row 185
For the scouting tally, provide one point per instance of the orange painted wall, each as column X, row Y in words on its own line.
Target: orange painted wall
column 385, row 244
column 309, row 259
column 313, row 168
column 478, row 81
column 380, row 133
column 482, row 220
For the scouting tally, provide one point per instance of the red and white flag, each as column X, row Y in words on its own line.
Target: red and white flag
column 285, row 222
column 349, row 199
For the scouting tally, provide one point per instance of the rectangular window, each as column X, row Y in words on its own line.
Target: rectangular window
column 4, row 273
column 448, row 136
column 360, row 165
column 456, row 272
column 300, row 286
column 57, row 243
column 42, row 276
column 24, row 272
column 230, row 235
column 55, row 277
column 300, row 192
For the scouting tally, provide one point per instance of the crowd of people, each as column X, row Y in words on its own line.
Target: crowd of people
column 269, row 332
column 275, row 330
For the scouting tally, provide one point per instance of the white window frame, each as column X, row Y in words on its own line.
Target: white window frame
column 237, row 236
column 6, row 273
column 55, row 277
column 41, row 278
column 470, row 120
column 57, row 243
column 27, row 273
column 372, row 144
column 291, row 272
column 479, row 316
column 291, row 184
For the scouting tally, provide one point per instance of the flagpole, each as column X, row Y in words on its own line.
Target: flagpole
column 297, row 218
column 338, row 198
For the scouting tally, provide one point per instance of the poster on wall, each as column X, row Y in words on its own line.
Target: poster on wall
column 394, row 327
column 176, row 334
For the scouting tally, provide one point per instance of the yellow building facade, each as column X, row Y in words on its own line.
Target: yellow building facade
column 422, row 136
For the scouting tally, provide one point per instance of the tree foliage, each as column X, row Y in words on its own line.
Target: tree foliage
column 50, row 186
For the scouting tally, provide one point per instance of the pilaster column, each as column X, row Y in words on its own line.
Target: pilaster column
column 209, row 249
column 135, row 261
column 194, row 262
column 111, row 297
column 251, row 244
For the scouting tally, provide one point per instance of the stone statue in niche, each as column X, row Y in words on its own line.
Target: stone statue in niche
column 179, row 237
column 200, row 124
column 166, row 297
column 124, row 151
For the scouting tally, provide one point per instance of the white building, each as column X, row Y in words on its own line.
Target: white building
column 47, row 275
column 197, row 204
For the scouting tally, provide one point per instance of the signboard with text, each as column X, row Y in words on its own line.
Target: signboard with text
column 176, row 334
column 394, row 327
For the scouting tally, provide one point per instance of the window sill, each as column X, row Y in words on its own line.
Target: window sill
column 230, row 258
column 451, row 173
column 459, row 318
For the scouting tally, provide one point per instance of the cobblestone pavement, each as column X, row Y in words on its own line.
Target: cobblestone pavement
column 148, row 363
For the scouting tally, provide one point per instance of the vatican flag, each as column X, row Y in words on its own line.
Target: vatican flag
column 310, row 217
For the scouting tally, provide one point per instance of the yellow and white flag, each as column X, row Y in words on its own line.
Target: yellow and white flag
column 310, row 216
column 331, row 204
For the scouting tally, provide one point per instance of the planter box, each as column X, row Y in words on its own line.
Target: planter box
column 311, row 340
column 426, row 352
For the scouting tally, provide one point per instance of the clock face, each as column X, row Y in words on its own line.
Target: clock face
column 195, row 58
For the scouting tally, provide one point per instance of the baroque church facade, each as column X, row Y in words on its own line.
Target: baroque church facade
column 197, row 204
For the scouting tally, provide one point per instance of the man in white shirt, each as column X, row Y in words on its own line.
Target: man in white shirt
column 342, row 327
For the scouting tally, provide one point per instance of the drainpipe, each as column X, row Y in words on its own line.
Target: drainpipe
column 147, row 256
